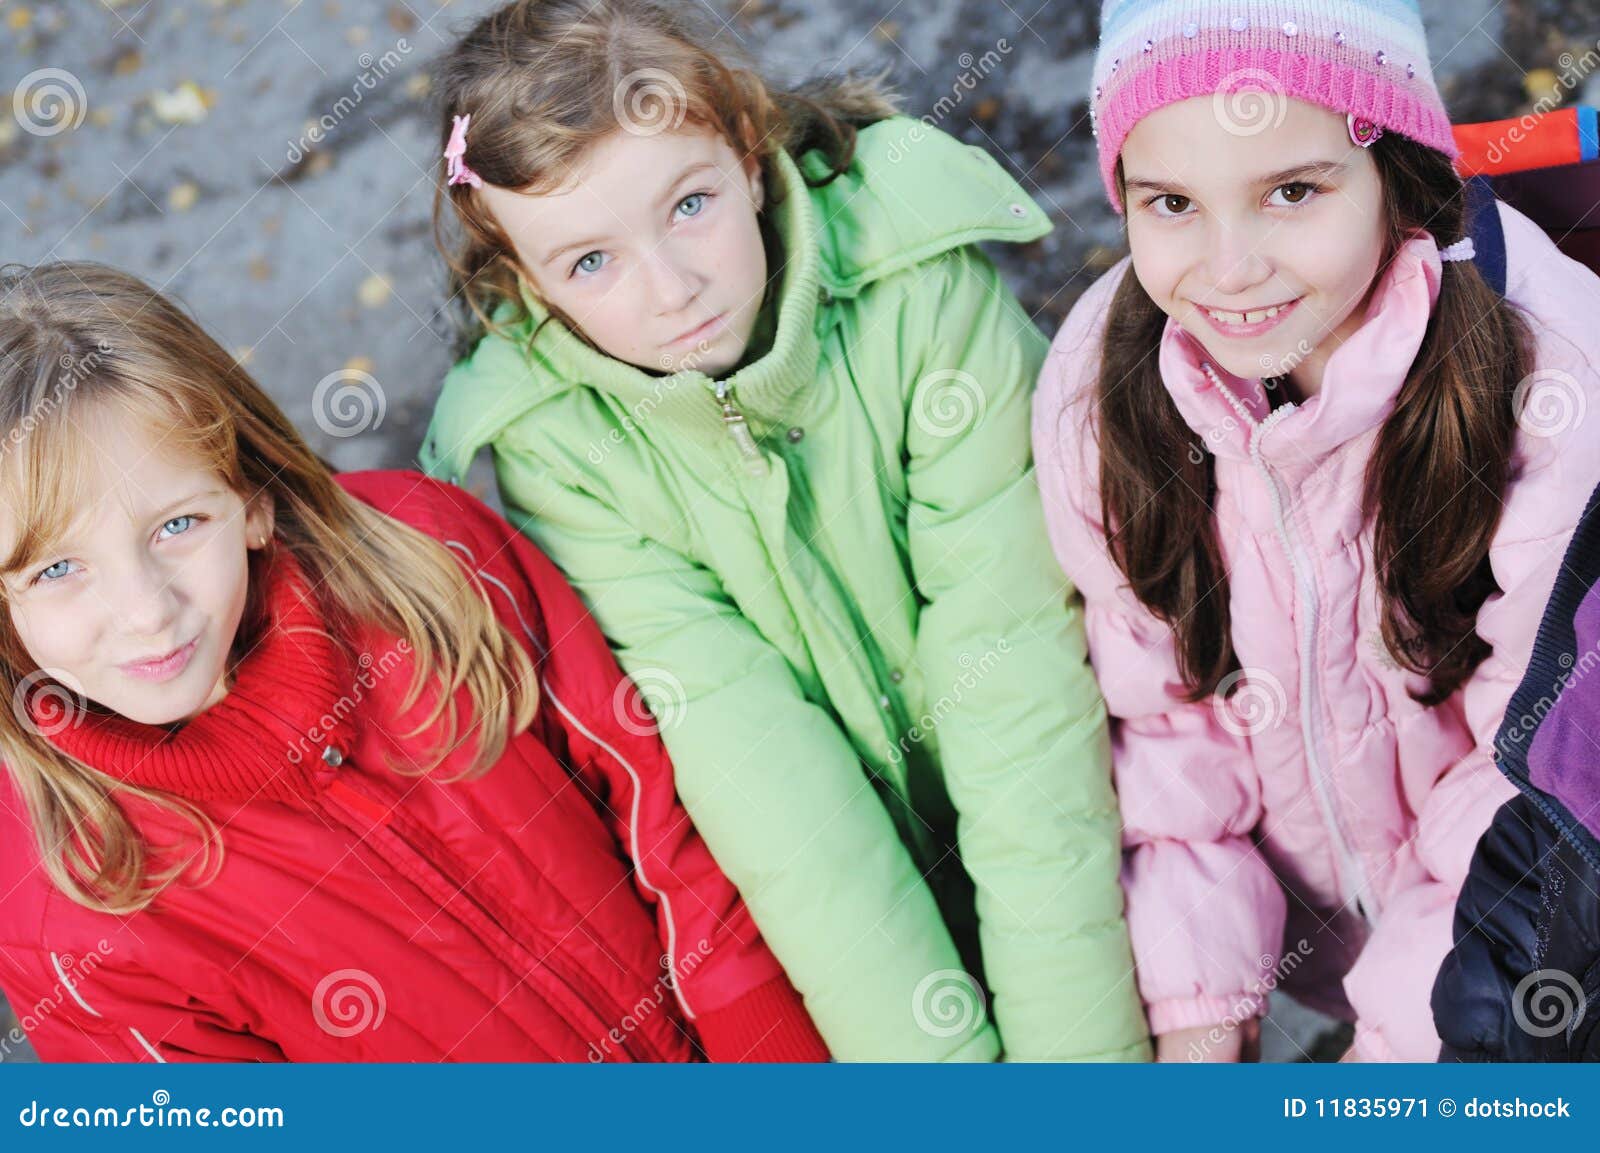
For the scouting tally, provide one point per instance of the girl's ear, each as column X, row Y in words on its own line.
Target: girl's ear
column 259, row 520
column 752, row 172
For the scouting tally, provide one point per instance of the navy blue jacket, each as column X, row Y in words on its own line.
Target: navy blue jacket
column 1523, row 980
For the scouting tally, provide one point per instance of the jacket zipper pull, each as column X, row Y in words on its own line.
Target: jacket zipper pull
column 733, row 420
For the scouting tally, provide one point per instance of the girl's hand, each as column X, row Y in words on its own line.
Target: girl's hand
column 1197, row 1044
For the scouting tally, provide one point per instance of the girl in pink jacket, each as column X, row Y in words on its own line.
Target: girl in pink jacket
column 1314, row 478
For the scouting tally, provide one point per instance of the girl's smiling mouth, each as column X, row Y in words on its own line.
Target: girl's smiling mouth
column 162, row 668
column 1248, row 323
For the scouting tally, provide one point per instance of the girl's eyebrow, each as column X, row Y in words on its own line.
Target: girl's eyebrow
column 1323, row 169
column 1311, row 169
column 66, row 541
column 586, row 243
column 682, row 178
column 666, row 194
column 192, row 498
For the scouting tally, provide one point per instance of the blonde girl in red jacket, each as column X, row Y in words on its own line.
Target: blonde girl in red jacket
column 241, row 821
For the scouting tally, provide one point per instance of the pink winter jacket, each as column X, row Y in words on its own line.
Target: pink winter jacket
column 1315, row 830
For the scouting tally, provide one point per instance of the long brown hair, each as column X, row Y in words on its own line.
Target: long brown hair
column 1446, row 447
column 544, row 80
column 80, row 338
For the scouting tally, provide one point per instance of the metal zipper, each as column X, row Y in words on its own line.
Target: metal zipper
column 755, row 462
column 1355, row 879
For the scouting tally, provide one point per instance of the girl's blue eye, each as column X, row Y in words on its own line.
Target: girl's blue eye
column 177, row 526
column 695, row 199
column 590, row 262
column 45, row 573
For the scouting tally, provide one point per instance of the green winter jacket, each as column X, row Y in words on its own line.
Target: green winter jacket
column 833, row 586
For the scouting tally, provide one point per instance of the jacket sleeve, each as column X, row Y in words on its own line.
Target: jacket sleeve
column 1515, row 884
column 769, row 779
column 1205, row 912
column 1497, row 918
column 1391, row 982
column 1025, row 754
column 728, row 982
column 96, row 1007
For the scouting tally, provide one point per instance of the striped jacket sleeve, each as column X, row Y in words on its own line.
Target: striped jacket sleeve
column 93, row 1008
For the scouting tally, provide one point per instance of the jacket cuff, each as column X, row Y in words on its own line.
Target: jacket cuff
column 1174, row 1013
column 1369, row 1046
column 767, row 1024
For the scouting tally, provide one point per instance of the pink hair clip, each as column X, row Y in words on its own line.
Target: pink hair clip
column 455, row 164
column 1363, row 133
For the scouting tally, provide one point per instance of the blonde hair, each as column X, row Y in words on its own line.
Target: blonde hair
column 75, row 335
column 543, row 80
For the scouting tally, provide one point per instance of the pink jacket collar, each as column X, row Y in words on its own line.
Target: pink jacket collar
column 1362, row 379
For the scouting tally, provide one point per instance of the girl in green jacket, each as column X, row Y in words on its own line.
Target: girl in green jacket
column 746, row 378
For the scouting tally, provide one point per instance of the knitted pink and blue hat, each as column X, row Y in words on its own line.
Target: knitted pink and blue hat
column 1367, row 58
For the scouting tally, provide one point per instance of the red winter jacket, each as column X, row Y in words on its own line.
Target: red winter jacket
column 361, row 914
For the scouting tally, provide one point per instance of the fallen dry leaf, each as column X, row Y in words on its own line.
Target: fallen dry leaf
column 185, row 104
column 374, row 291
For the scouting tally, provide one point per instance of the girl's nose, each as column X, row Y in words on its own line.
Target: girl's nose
column 673, row 285
column 1233, row 260
column 147, row 602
